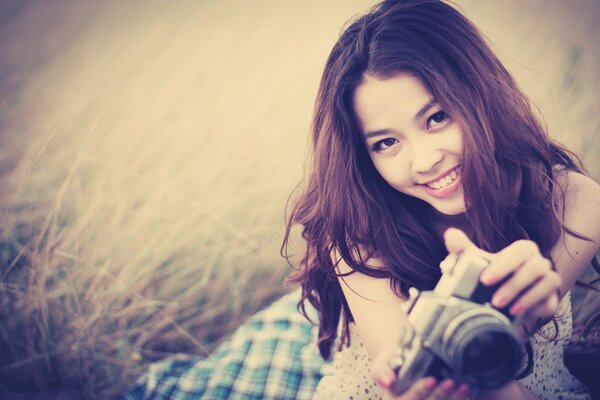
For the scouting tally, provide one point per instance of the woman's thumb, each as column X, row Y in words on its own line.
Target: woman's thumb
column 457, row 241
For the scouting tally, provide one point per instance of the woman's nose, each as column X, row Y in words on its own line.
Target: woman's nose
column 425, row 158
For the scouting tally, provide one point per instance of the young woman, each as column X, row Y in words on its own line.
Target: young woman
column 424, row 146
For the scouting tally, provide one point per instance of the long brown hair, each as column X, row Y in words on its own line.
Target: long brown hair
column 508, row 166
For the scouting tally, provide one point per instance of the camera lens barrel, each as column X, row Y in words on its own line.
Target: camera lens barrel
column 482, row 348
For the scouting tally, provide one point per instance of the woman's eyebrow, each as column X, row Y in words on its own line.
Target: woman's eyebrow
column 424, row 109
column 379, row 132
column 418, row 115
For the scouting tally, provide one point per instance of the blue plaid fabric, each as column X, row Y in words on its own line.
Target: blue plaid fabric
column 272, row 356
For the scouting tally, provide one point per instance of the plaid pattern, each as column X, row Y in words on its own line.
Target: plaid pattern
column 272, row 356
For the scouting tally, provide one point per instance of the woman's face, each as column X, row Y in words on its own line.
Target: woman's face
column 413, row 143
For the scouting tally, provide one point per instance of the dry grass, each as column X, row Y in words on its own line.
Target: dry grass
column 146, row 154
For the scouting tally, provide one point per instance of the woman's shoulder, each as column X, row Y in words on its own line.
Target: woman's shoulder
column 576, row 184
column 357, row 282
column 367, row 257
column 579, row 202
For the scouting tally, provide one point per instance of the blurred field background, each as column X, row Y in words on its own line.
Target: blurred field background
column 147, row 149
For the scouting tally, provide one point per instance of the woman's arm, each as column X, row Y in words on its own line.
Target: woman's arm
column 375, row 308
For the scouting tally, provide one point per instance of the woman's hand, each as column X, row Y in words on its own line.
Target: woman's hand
column 423, row 389
column 429, row 389
column 531, row 290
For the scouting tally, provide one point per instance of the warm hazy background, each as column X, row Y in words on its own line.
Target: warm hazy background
column 147, row 149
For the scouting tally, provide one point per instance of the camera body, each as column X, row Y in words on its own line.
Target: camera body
column 453, row 332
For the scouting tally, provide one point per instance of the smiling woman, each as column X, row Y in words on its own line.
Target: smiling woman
column 418, row 129
column 414, row 145
column 147, row 149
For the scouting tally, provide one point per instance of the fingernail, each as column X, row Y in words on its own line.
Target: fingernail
column 517, row 309
column 430, row 383
column 448, row 386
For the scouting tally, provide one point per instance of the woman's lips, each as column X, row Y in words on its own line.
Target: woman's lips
column 446, row 191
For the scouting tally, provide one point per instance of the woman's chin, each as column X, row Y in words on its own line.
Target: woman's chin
column 450, row 210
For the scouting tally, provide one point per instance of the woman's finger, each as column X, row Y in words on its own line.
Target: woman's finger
column 541, row 300
column 443, row 391
column 509, row 259
column 546, row 309
column 529, row 273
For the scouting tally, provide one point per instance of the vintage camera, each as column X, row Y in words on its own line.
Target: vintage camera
column 454, row 332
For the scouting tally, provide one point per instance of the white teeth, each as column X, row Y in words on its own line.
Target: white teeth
column 445, row 181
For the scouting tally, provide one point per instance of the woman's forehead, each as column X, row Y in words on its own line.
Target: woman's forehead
column 377, row 101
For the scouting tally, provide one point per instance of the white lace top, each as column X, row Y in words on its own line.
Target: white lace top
column 349, row 376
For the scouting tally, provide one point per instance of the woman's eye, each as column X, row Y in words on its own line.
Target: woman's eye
column 436, row 119
column 384, row 144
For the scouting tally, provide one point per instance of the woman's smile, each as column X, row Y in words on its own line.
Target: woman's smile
column 444, row 186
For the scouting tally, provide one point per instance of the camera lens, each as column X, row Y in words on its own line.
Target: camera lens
column 489, row 357
column 483, row 350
